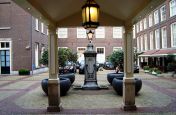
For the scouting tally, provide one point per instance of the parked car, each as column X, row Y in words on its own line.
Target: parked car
column 82, row 67
column 69, row 67
column 136, row 68
column 108, row 65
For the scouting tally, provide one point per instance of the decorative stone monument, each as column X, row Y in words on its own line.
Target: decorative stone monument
column 90, row 69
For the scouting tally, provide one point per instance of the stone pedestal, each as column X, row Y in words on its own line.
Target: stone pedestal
column 90, row 69
column 54, row 96
column 128, row 94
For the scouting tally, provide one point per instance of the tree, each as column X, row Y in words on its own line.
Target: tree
column 44, row 58
column 116, row 58
column 64, row 55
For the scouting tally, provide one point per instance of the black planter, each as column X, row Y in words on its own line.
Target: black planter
column 70, row 76
column 111, row 76
column 65, row 85
column 118, row 85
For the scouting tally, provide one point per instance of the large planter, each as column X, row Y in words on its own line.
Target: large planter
column 111, row 76
column 65, row 85
column 118, row 85
column 70, row 76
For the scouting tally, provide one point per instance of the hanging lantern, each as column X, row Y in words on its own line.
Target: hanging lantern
column 90, row 15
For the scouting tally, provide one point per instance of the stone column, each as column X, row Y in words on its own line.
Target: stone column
column 128, row 81
column 53, row 82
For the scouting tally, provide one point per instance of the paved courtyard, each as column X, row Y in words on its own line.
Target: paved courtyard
column 23, row 95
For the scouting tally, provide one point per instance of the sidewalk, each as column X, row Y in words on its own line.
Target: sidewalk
column 23, row 95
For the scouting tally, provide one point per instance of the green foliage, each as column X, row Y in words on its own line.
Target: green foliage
column 146, row 67
column 24, row 72
column 44, row 59
column 116, row 58
column 64, row 55
column 158, row 72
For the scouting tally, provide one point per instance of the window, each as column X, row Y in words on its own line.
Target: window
column 150, row 20
column 151, row 40
column 4, row 45
column 157, row 39
column 137, row 27
column 36, row 24
column 146, row 42
column 142, row 45
column 62, row 33
column 138, row 47
column 163, row 13
column 117, row 48
column 172, row 8
column 81, row 33
column 100, row 50
column 100, row 32
column 164, row 37
column 117, row 32
column 141, row 25
column 42, row 27
column 134, row 31
column 173, row 35
column 36, row 55
column 156, row 17
column 145, row 23
column 47, row 32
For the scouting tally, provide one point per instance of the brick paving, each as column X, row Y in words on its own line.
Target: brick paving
column 23, row 95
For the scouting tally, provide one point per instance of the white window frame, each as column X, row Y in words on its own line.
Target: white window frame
column 10, row 49
column 145, row 23
column 173, row 35
column 81, row 33
column 164, row 37
column 137, row 27
column 172, row 5
column 36, row 24
column 141, row 25
column 146, row 42
column 151, row 20
column 156, row 17
column 142, row 41
column 134, row 31
column 157, row 39
column 117, row 48
column 62, row 32
column 163, row 13
column 42, row 27
column 138, row 46
column 117, row 32
column 100, row 32
column 151, row 40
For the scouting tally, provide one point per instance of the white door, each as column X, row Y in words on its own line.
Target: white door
column 100, row 54
column 36, row 55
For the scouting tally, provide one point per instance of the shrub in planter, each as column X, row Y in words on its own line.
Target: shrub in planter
column 146, row 67
column 24, row 72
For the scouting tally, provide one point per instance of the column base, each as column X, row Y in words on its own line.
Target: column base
column 54, row 108
column 129, row 107
column 128, row 94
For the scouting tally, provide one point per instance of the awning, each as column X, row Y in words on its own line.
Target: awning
column 158, row 53
column 148, row 53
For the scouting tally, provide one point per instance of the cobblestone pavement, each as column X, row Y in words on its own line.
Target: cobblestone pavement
column 23, row 95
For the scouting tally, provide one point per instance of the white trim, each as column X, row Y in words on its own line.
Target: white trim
column 172, row 34
column 5, row 28
column 62, row 32
column 171, row 10
column 156, row 17
column 164, row 37
column 36, row 24
column 10, row 49
column 163, row 17
column 101, row 54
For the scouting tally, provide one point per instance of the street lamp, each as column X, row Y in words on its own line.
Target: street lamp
column 90, row 15
column 90, row 35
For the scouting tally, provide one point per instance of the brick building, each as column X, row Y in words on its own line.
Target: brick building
column 22, row 40
column 155, row 35
column 106, row 40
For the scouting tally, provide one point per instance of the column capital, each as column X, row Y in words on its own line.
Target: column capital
column 128, row 28
column 52, row 29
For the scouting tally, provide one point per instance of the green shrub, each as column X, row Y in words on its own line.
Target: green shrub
column 150, row 70
column 158, row 72
column 24, row 72
column 155, row 69
column 146, row 67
